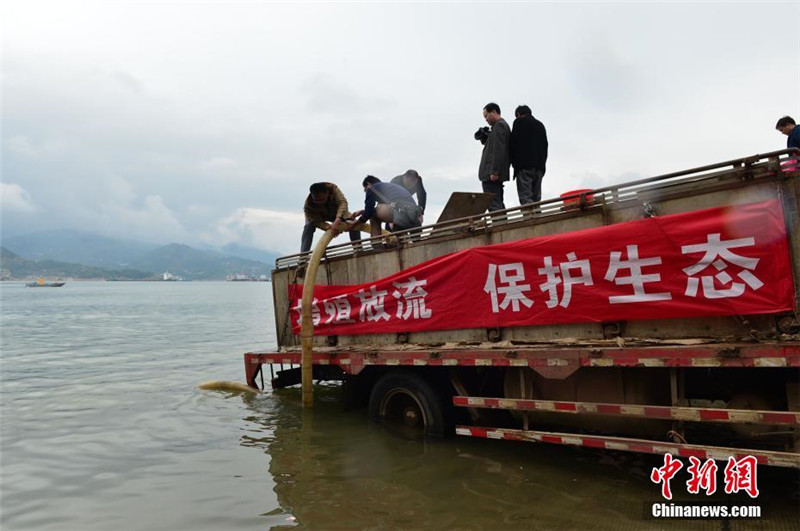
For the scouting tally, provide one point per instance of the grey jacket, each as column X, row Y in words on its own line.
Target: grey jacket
column 495, row 158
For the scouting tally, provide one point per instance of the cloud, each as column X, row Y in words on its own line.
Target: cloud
column 16, row 199
column 325, row 94
column 605, row 76
column 107, row 131
column 20, row 145
column 144, row 218
column 260, row 228
column 217, row 163
column 121, row 79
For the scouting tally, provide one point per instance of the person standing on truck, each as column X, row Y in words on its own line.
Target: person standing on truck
column 528, row 153
column 326, row 203
column 412, row 181
column 494, row 167
column 787, row 126
column 388, row 203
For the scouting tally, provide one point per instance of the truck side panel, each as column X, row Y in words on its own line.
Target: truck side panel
column 740, row 185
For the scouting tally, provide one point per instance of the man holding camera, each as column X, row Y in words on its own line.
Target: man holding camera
column 326, row 203
column 528, row 151
column 494, row 167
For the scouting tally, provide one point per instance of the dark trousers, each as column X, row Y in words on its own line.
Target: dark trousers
column 496, row 188
column 529, row 185
column 308, row 236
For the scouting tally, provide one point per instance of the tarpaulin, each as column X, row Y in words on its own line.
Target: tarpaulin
column 722, row 261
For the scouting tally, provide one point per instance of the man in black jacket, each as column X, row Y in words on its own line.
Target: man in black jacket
column 528, row 150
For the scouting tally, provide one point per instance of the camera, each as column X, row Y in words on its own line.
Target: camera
column 482, row 134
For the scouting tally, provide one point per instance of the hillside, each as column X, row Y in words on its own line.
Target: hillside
column 193, row 264
column 85, row 255
column 21, row 268
column 233, row 249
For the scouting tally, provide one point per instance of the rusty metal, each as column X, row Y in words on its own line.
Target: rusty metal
column 788, row 324
column 611, row 330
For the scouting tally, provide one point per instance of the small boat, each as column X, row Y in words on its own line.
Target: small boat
column 42, row 284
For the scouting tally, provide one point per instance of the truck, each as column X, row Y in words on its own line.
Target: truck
column 655, row 316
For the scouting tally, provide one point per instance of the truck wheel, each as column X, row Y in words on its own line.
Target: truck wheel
column 403, row 399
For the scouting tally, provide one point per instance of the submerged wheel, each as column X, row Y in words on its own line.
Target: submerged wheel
column 405, row 400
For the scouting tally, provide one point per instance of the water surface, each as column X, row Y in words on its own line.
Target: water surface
column 103, row 427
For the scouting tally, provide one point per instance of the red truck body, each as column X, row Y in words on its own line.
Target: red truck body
column 712, row 383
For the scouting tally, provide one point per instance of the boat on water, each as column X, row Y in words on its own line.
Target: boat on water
column 41, row 283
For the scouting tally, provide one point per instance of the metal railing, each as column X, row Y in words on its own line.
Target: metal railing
column 761, row 164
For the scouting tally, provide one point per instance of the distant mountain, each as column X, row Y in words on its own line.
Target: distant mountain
column 116, row 255
column 250, row 253
column 21, row 268
column 78, row 247
column 193, row 264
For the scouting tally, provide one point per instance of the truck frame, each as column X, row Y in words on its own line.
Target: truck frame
column 711, row 387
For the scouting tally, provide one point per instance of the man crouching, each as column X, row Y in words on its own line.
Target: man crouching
column 388, row 203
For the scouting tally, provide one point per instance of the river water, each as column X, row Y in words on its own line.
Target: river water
column 103, row 427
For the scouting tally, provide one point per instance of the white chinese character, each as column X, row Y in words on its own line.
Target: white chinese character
column 371, row 305
column 560, row 274
column 315, row 317
column 717, row 253
column 513, row 293
column 636, row 278
column 338, row 309
column 414, row 297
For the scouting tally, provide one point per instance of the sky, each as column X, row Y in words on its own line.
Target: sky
column 205, row 122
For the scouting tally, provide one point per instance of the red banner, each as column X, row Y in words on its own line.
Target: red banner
column 722, row 261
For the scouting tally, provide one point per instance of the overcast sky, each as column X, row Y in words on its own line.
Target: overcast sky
column 205, row 122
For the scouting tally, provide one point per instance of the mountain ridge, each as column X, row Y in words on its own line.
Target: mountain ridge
column 63, row 251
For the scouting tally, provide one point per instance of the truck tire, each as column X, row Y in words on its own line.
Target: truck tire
column 404, row 399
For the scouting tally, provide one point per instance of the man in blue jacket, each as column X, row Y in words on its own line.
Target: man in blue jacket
column 787, row 126
column 388, row 203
